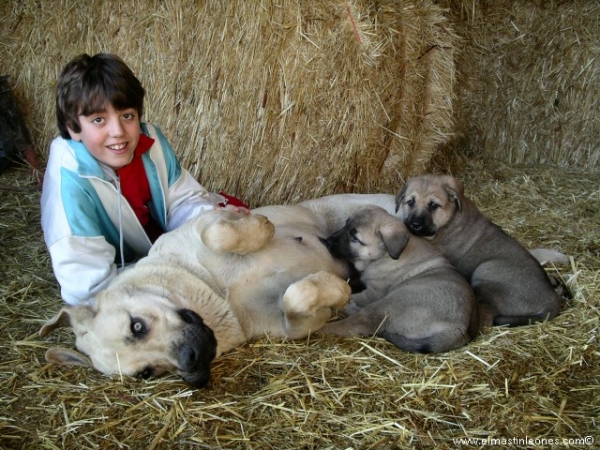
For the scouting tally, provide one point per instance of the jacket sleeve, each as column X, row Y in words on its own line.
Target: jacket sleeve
column 83, row 267
column 185, row 198
column 82, row 258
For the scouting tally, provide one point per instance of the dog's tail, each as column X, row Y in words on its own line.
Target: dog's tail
column 549, row 255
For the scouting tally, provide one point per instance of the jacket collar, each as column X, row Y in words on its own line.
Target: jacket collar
column 91, row 167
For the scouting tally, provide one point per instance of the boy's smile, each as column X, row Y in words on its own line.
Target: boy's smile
column 110, row 135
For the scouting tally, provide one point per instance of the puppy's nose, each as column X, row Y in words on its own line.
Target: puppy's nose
column 415, row 225
column 327, row 242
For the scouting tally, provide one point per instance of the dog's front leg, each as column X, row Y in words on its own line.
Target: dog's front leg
column 237, row 232
column 308, row 303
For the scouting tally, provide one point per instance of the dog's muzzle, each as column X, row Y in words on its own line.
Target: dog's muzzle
column 331, row 245
column 337, row 244
column 196, row 350
column 419, row 225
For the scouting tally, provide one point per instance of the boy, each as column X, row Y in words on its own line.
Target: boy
column 112, row 183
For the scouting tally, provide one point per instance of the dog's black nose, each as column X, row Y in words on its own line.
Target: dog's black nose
column 188, row 357
column 189, row 316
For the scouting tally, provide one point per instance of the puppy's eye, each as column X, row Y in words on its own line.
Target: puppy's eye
column 410, row 202
column 433, row 206
column 354, row 237
column 138, row 327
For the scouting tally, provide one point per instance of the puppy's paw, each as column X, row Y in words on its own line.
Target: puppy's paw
column 238, row 232
column 351, row 308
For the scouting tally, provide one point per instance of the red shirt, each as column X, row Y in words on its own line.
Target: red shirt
column 136, row 189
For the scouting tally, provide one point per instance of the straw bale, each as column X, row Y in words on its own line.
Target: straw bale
column 536, row 382
column 274, row 101
column 528, row 80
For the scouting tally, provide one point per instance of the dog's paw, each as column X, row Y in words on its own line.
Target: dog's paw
column 237, row 232
column 308, row 304
column 317, row 291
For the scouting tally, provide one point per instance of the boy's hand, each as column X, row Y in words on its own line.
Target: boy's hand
column 235, row 208
column 233, row 204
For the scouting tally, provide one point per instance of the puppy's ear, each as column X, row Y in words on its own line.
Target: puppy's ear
column 69, row 316
column 394, row 236
column 66, row 357
column 400, row 196
column 455, row 190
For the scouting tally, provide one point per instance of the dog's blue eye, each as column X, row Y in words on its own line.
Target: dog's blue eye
column 138, row 327
column 410, row 202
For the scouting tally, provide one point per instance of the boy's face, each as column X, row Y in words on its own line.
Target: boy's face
column 111, row 136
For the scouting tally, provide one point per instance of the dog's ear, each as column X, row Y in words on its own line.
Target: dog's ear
column 400, row 196
column 66, row 357
column 394, row 236
column 69, row 316
column 455, row 189
column 74, row 316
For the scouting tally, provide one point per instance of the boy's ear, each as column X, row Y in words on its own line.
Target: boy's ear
column 74, row 136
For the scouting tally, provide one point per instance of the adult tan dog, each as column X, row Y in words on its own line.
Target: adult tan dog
column 414, row 297
column 512, row 288
column 206, row 288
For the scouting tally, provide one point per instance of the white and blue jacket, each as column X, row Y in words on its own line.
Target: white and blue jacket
column 88, row 225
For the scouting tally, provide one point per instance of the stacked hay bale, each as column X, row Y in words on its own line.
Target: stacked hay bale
column 274, row 101
column 528, row 81
column 279, row 100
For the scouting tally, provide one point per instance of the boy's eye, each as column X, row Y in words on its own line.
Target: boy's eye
column 129, row 116
column 97, row 120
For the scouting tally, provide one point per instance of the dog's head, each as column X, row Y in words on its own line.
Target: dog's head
column 136, row 332
column 427, row 203
column 369, row 234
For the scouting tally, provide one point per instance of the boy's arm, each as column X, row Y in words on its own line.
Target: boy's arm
column 186, row 198
column 82, row 259
column 83, row 266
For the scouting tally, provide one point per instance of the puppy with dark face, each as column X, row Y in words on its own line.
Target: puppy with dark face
column 511, row 286
column 414, row 298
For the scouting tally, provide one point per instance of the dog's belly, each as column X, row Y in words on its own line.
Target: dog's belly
column 299, row 253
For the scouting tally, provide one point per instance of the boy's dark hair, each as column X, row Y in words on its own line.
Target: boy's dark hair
column 88, row 83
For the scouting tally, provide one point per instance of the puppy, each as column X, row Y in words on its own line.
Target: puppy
column 414, row 298
column 510, row 285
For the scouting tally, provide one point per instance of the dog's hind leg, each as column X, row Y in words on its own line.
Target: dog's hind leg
column 308, row 303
